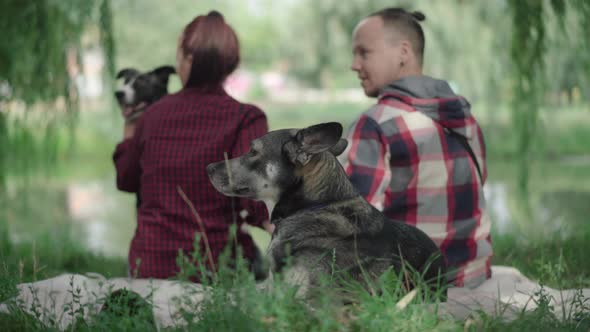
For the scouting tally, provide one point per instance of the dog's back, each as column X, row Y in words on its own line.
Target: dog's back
column 357, row 239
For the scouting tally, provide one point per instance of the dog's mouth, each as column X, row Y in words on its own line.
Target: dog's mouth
column 132, row 110
column 241, row 191
column 229, row 187
column 222, row 185
column 234, row 191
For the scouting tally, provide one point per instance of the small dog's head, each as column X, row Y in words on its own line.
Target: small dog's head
column 275, row 161
column 143, row 87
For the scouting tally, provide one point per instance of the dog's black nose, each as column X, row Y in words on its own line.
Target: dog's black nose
column 119, row 94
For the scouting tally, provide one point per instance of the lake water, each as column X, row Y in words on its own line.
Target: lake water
column 103, row 219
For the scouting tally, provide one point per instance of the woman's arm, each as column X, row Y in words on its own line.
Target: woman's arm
column 126, row 157
column 253, row 125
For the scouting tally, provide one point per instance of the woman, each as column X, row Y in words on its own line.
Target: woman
column 170, row 146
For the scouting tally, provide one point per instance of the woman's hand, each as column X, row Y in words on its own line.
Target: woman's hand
column 128, row 130
column 131, row 114
column 268, row 226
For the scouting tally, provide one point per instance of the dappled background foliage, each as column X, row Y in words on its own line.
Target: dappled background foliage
column 519, row 54
column 39, row 60
column 42, row 43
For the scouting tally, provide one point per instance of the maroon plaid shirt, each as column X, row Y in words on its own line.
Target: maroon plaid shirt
column 174, row 141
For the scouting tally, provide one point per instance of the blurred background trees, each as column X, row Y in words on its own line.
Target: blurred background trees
column 523, row 64
column 40, row 59
column 479, row 45
column 523, row 55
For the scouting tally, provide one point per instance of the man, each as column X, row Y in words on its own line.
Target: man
column 418, row 155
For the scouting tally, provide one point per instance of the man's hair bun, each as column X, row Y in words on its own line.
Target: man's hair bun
column 419, row 16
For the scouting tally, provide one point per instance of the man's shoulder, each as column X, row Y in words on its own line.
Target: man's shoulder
column 382, row 113
column 391, row 121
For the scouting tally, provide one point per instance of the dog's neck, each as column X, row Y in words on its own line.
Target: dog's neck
column 321, row 182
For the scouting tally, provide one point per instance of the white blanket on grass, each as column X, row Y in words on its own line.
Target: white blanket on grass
column 505, row 295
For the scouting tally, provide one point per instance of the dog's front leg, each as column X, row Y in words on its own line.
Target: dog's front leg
column 301, row 276
column 267, row 284
column 295, row 276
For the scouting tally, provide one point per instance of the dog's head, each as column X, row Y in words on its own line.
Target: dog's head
column 275, row 162
column 140, row 87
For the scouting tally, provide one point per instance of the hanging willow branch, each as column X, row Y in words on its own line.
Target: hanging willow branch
column 582, row 7
column 527, row 53
column 107, row 36
column 38, row 36
column 40, row 57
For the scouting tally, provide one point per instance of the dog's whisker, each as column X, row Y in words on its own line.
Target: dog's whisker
column 228, row 169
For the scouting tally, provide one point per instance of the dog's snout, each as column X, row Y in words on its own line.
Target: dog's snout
column 119, row 94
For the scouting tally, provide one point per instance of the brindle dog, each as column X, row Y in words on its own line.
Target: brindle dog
column 322, row 223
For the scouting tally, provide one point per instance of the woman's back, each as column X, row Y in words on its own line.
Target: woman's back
column 176, row 139
column 169, row 147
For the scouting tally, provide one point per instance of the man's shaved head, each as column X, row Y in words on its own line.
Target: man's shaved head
column 404, row 25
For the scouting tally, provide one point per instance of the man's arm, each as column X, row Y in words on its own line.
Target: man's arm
column 366, row 160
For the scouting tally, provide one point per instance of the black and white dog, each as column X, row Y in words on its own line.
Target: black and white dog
column 322, row 223
column 140, row 90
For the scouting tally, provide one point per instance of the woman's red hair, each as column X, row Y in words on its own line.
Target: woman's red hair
column 214, row 47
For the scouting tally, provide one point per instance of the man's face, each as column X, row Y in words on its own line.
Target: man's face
column 376, row 58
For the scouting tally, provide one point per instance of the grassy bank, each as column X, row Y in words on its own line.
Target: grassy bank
column 554, row 263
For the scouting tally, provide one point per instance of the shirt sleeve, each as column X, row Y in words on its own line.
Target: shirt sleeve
column 253, row 125
column 126, row 160
column 366, row 160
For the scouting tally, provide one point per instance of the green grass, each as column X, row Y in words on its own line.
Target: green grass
column 236, row 304
column 553, row 261
column 49, row 255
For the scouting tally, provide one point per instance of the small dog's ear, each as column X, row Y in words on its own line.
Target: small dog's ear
column 126, row 72
column 339, row 147
column 163, row 72
column 313, row 140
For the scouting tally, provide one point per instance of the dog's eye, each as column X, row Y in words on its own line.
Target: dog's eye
column 253, row 153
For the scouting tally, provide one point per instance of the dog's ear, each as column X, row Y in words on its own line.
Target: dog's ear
column 313, row 140
column 163, row 72
column 339, row 147
column 126, row 72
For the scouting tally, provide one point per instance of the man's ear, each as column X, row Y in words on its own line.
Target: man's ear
column 163, row 72
column 406, row 51
column 313, row 140
column 127, row 72
column 337, row 149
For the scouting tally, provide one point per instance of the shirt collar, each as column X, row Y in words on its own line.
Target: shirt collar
column 205, row 90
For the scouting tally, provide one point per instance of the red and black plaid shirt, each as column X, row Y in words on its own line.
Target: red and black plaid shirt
column 174, row 141
column 401, row 158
